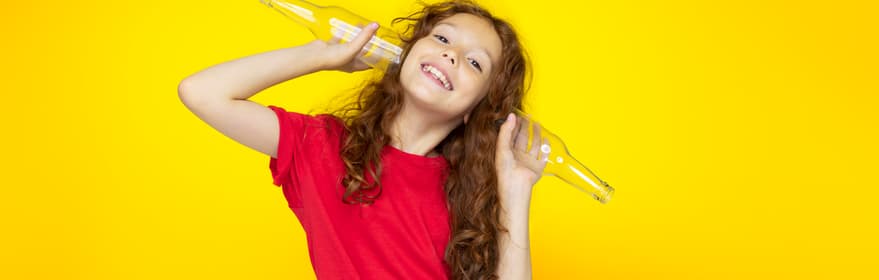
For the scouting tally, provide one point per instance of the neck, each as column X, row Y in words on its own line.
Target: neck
column 418, row 132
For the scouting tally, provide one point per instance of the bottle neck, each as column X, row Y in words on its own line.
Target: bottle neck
column 299, row 10
column 575, row 173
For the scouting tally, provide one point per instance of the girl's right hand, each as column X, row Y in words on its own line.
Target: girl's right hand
column 343, row 57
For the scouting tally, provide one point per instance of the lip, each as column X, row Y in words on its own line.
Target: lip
column 449, row 79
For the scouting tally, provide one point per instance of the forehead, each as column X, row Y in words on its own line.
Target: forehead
column 474, row 31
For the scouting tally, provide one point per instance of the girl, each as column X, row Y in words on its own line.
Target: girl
column 451, row 200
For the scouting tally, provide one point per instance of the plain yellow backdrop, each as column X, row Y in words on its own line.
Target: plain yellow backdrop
column 740, row 136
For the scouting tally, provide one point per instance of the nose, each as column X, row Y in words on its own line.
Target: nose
column 450, row 57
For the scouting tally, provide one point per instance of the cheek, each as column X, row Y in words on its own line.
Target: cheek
column 476, row 84
column 409, row 68
column 419, row 48
column 474, row 90
column 410, row 62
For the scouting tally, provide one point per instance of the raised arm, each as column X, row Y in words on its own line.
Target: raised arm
column 518, row 171
column 219, row 94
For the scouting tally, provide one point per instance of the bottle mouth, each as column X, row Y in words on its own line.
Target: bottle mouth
column 607, row 195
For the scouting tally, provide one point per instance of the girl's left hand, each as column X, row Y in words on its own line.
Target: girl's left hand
column 517, row 169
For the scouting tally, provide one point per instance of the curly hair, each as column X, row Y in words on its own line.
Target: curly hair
column 471, row 179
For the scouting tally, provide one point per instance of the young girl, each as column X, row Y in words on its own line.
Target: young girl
column 452, row 199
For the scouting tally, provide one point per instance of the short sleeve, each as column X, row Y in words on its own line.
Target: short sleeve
column 291, row 127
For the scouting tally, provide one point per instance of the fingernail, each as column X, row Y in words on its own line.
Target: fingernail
column 373, row 25
column 499, row 122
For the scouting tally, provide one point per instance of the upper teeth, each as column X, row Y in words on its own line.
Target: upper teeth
column 437, row 74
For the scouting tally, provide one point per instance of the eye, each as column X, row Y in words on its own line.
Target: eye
column 476, row 64
column 441, row 38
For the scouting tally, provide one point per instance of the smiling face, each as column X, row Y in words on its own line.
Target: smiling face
column 448, row 71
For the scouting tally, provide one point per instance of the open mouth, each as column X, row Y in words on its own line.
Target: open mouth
column 437, row 75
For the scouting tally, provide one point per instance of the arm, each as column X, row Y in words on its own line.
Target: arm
column 514, row 246
column 218, row 95
column 517, row 172
column 242, row 78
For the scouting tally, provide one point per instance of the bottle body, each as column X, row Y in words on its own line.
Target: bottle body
column 532, row 139
column 335, row 24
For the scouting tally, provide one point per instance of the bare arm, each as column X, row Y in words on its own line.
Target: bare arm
column 242, row 78
column 514, row 246
column 518, row 172
column 219, row 94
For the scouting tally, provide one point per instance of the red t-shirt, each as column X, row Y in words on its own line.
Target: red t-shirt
column 402, row 235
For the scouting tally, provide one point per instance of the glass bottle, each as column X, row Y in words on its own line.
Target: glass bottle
column 559, row 162
column 336, row 24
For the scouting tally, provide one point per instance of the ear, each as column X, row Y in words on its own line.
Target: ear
column 466, row 116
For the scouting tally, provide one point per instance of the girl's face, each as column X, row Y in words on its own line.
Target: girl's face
column 448, row 71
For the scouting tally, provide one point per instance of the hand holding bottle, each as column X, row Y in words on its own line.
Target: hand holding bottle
column 336, row 24
column 533, row 143
column 342, row 56
column 518, row 168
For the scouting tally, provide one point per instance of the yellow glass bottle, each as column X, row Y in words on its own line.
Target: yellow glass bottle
column 336, row 24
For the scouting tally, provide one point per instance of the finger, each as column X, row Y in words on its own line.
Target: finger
column 544, row 153
column 334, row 40
column 536, row 140
column 521, row 142
column 364, row 36
column 528, row 161
column 506, row 133
column 544, row 156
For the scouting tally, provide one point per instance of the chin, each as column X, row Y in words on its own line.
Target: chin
column 421, row 95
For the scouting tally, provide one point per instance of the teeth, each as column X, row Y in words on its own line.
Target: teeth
column 437, row 74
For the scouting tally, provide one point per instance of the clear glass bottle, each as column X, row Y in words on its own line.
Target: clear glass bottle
column 559, row 162
column 336, row 24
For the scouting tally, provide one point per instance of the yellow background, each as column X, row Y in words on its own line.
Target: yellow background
column 741, row 138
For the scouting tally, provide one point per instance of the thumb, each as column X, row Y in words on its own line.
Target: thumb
column 363, row 37
column 506, row 132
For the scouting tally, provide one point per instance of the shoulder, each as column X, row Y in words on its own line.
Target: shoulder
column 307, row 120
column 331, row 124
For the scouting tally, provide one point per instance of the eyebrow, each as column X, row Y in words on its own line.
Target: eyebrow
column 453, row 26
